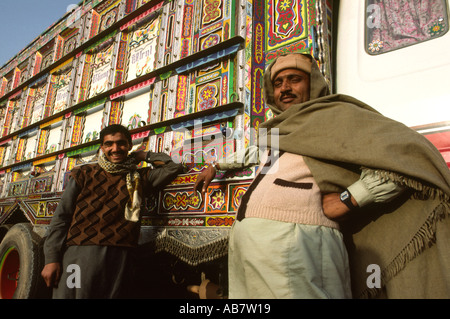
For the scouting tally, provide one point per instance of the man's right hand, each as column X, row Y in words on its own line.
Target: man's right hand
column 204, row 179
column 51, row 274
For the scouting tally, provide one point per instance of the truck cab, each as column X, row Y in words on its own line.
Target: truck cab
column 394, row 56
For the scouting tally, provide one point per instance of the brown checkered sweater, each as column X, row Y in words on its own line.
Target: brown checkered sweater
column 99, row 211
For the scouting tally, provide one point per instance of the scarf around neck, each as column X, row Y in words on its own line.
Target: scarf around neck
column 132, row 209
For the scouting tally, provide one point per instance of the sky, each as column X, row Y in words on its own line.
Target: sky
column 24, row 20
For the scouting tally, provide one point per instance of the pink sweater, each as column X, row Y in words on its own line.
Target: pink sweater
column 288, row 193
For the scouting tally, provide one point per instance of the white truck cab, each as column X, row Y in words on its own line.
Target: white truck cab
column 395, row 56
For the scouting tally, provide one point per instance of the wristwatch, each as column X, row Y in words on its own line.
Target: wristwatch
column 346, row 198
column 213, row 164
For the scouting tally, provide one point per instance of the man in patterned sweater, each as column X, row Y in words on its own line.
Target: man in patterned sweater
column 97, row 222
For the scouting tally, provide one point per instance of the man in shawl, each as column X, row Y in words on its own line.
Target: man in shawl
column 386, row 185
column 97, row 222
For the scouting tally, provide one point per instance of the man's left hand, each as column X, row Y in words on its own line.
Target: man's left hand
column 139, row 156
column 142, row 156
column 332, row 206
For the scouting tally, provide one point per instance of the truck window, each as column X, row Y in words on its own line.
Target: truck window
column 395, row 24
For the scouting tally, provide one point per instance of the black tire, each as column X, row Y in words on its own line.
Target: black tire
column 21, row 262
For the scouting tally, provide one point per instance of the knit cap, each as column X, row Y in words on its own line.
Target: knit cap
column 291, row 61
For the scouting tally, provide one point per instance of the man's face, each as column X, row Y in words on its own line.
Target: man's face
column 290, row 86
column 116, row 147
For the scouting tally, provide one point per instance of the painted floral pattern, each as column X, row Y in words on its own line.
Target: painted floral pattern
column 394, row 24
column 207, row 97
column 375, row 46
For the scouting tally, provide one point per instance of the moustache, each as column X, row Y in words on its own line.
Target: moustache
column 117, row 153
column 289, row 95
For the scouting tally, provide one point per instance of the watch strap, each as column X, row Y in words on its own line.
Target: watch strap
column 346, row 198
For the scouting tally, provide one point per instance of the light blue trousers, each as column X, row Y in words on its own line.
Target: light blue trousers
column 277, row 260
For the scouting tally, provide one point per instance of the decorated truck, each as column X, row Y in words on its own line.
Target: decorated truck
column 185, row 77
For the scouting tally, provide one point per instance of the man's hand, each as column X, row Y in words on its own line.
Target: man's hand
column 204, row 179
column 51, row 274
column 332, row 206
column 139, row 156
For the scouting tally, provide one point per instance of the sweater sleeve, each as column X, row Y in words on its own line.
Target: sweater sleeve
column 163, row 174
column 61, row 221
column 241, row 159
column 371, row 188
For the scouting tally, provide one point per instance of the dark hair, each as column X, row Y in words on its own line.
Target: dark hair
column 113, row 129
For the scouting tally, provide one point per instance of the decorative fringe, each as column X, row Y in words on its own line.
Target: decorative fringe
column 422, row 191
column 192, row 256
column 425, row 237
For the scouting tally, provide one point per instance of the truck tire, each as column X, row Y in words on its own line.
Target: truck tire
column 21, row 262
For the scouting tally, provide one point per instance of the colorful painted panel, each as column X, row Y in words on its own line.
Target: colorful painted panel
column 38, row 109
column 216, row 23
column 6, row 127
column 143, row 46
column 16, row 117
column 21, row 144
column 161, row 142
column 2, row 155
column 216, row 199
column 35, row 95
column 196, row 91
column 181, row 201
column 46, row 56
column 6, row 159
column 62, row 94
column 77, row 131
column 236, row 192
column 70, row 39
column 167, row 34
column 18, row 188
column 104, row 15
column 2, row 188
column 101, row 71
column 30, row 148
column 286, row 23
column 54, row 140
column 41, row 185
column 186, row 41
column 221, row 198
column 42, row 144
column 22, row 74
column 161, row 97
column 41, row 208
column 135, row 109
column 92, row 126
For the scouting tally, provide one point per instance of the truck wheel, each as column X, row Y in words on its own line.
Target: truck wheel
column 21, row 262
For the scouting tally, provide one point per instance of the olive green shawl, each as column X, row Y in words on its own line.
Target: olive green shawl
column 338, row 135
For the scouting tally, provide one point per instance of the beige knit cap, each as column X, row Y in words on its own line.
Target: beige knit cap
column 291, row 61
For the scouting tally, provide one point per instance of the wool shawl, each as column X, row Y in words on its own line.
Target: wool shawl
column 338, row 135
